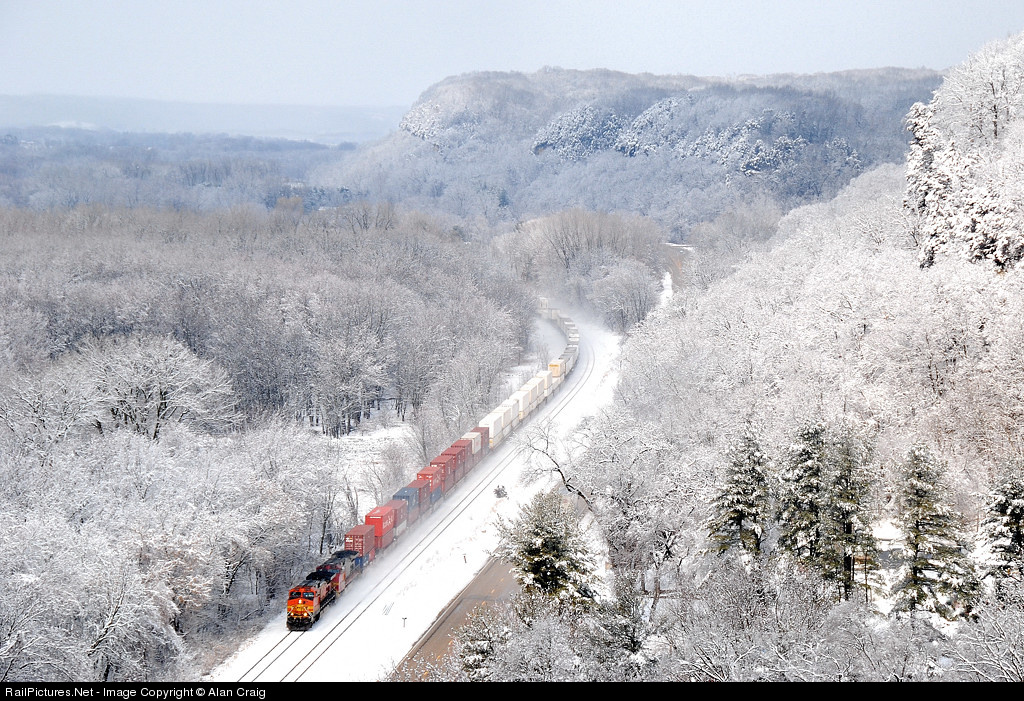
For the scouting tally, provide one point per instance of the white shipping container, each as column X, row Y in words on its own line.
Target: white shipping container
column 510, row 413
column 494, row 423
column 476, row 440
column 522, row 401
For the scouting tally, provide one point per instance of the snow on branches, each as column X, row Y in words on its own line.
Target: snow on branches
column 965, row 161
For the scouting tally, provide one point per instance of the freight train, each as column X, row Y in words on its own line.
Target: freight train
column 385, row 523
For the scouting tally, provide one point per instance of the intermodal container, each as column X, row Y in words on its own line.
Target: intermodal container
column 466, row 446
column 401, row 509
column 475, row 439
column 510, row 414
column 522, row 401
column 362, row 540
column 382, row 518
column 446, row 462
column 485, row 438
column 493, row 424
column 433, row 474
column 460, row 452
column 410, row 495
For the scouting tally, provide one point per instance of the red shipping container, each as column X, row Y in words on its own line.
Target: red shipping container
column 385, row 540
column 361, row 539
column 433, row 474
column 401, row 509
column 460, row 449
column 467, row 446
column 455, row 468
column 382, row 519
column 446, row 462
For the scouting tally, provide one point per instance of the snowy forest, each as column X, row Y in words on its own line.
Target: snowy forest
column 218, row 352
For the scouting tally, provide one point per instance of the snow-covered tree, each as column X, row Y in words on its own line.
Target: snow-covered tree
column 1003, row 527
column 982, row 95
column 742, row 510
column 804, row 497
column 624, row 635
column 578, row 133
column 936, row 576
column 548, row 550
column 991, row 648
column 823, row 516
column 962, row 168
column 853, row 542
column 145, row 383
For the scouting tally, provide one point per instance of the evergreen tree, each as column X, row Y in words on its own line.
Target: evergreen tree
column 804, row 498
column 851, row 532
column 823, row 506
column 548, row 550
column 937, row 576
column 741, row 509
column 1003, row 527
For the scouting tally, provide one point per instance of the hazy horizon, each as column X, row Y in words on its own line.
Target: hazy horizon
column 386, row 53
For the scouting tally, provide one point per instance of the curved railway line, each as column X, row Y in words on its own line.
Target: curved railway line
column 296, row 653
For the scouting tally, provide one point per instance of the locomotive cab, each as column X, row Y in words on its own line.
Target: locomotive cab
column 307, row 600
column 303, row 607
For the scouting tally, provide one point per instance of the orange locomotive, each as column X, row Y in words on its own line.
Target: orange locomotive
column 308, row 599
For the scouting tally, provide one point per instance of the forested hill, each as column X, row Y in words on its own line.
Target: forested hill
column 678, row 148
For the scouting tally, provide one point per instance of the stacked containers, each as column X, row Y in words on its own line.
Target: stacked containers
column 510, row 415
column 382, row 518
column 362, row 540
column 520, row 404
column 446, row 463
column 535, row 386
column 417, row 495
column 424, row 493
column 471, row 453
column 410, row 494
column 494, row 424
column 401, row 509
column 485, row 439
column 545, row 379
column 433, row 474
column 460, row 452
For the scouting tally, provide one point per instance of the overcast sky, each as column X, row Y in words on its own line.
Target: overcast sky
column 386, row 52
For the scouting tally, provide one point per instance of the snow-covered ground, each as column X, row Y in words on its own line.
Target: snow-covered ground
column 377, row 621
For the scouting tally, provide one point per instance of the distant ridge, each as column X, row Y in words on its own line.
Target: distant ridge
column 322, row 124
